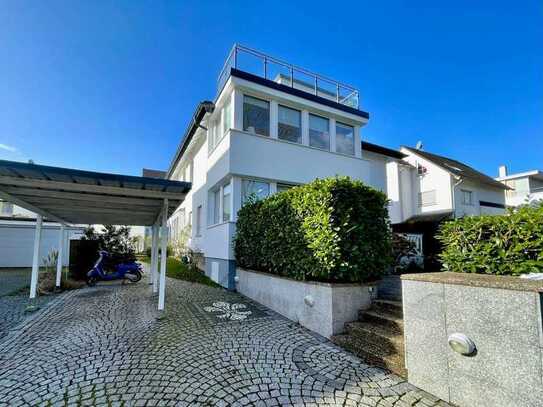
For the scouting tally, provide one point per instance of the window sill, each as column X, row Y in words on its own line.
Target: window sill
column 219, row 224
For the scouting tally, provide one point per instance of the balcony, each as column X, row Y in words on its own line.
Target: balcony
column 270, row 68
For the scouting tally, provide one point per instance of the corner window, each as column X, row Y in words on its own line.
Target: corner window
column 256, row 116
column 254, row 189
column 467, row 197
column 226, row 204
column 290, row 124
column 344, row 139
column 319, row 132
column 227, row 116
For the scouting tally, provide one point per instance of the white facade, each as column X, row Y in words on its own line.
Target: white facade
column 427, row 188
column 526, row 187
column 260, row 138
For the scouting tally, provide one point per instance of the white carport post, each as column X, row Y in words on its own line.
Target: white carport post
column 154, row 262
column 153, row 245
column 60, row 258
column 35, row 263
column 163, row 256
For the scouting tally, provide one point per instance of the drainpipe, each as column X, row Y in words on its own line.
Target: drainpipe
column 460, row 180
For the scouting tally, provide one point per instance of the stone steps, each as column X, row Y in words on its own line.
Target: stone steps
column 377, row 337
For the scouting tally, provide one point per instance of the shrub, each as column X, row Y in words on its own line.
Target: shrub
column 334, row 230
column 509, row 244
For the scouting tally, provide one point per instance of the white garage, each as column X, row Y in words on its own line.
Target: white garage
column 17, row 242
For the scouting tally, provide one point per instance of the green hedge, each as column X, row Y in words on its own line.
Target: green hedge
column 509, row 244
column 334, row 230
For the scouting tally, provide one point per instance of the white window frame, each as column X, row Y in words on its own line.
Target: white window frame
column 199, row 210
column 467, row 193
column 270, row 118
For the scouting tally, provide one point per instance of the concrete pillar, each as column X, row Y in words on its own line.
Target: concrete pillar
column 155, row 261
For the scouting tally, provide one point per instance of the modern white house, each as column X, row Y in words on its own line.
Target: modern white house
column 525, row 187
column 276, row 126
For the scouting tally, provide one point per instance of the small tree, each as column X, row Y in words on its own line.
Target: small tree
column 114, row 239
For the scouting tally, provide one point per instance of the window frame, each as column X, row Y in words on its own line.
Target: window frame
column 199, row 210
column 309, row 131
column 243, row 180
column 341, row 124
column 279, row 106
column 268, row 102
column 467, row 192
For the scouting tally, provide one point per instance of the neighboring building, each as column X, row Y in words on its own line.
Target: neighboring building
column 526, row 187
column 434, row 188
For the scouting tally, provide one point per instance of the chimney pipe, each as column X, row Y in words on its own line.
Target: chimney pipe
column 502, row 171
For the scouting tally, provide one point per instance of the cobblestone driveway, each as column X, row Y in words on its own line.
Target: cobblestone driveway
column 104, row 346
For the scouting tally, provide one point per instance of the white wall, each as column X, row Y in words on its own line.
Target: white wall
column 263, row 157
column 480, row 192
column 17, row 242
column 436, row 179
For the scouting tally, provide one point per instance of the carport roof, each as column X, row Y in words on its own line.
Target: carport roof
column 84, row 197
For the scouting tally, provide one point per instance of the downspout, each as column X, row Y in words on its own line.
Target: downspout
column 460, row 180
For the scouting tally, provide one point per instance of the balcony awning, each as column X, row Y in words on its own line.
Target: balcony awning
column 71, row 196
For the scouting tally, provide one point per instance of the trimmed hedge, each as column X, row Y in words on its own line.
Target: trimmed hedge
column 332, row 230
column 509, row 244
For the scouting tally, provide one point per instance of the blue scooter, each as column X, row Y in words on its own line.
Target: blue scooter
column 130, row 271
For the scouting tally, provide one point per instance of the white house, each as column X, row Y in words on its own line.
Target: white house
column 267, row 131
column 526, row 187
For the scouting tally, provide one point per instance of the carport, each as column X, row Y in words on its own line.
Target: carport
column 70, row 197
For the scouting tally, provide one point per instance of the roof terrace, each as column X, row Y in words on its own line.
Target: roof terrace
column 267, row 67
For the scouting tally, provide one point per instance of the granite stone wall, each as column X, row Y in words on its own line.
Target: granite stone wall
column 501, row 315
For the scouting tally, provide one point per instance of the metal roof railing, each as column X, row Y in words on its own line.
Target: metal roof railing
column 268, row 67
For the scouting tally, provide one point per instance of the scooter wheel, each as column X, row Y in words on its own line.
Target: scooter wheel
column 91, row 281
column 134, row 277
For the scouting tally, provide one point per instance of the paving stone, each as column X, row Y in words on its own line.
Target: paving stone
column 105, row 346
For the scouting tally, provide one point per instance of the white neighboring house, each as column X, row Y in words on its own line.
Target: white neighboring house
column 17, row 228
column 526, row 187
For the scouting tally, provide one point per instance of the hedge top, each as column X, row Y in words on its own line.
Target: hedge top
column 510, row 244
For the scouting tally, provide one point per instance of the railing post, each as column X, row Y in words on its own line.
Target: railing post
column 337, row 92
column 316, row 86
column 291, row 77
column 236, row 56
column 265, row 68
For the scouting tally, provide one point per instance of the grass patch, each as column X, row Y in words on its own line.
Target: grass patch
column 176, row 269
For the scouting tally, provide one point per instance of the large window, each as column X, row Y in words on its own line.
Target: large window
column 256, row 116
column 344, row 139
column 226, row 204
column 290, row 124
column 216, row 206
column 284, row 187
column 319, row 132
column 254, row 189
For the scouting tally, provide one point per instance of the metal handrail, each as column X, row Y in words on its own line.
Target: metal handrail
column 266, row 59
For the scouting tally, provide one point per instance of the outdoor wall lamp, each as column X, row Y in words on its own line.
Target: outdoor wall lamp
column 309, row 300
column 460, row 343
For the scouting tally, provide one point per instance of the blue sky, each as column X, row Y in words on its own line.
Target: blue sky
column 111, row 85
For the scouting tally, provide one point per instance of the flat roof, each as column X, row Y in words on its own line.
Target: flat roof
column 73, row 196
column 533, row 174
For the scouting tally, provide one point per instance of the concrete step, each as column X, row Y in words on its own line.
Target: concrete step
column 384, row 318
column 376, row 338
column 394, row 363
column 393, row 307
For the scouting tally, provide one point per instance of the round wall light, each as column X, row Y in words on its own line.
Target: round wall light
column 460, row 343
